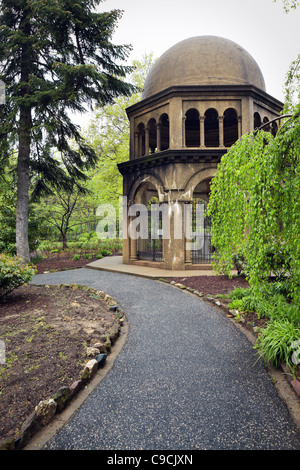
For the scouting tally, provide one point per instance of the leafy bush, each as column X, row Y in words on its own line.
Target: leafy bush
column 88, row 237
column 13, row 273
column 272, row 302
column 105, row 252
column 76, row 257
column 276, row 342
column 240, row 263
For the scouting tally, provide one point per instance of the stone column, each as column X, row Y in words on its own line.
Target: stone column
column 183, row 131
column 140, row 145
column 173, row 247
column 240, row 126
column 221, row 131
column 187, row 221
column 133, row 245
column 158, row 137
column 136, row 145
column 202, row 137
column 147, row 140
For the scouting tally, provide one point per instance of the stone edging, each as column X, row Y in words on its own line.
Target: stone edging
column 234, row 314
column 46, row 410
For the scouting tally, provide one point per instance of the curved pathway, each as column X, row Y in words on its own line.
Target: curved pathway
column 186, row 378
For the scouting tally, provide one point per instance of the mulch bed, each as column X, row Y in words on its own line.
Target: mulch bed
column 63, row 262
column 212, row 285
column 46, row 331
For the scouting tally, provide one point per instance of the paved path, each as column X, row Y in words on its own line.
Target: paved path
column 186, row 378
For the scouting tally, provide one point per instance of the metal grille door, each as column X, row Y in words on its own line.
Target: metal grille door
column 202, row 255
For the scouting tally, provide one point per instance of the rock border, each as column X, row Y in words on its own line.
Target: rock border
column 237, row 317
column 46, row 410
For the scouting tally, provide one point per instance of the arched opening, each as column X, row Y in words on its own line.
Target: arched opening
column 231, row 129
column 267, row 126
column 200, row 225
column 141, row 140
column 164, row 132
column 257, row 120
column 192, row 128
column 274, row 128
column 211, row 128
column 152, row 135
column 149, row 242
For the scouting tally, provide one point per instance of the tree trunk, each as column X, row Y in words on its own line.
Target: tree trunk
column 65, row 243
column 22, row 243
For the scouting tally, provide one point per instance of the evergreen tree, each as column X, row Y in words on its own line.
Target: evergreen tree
column 56, row 57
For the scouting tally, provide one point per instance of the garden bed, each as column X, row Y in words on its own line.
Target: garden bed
column 46, row 331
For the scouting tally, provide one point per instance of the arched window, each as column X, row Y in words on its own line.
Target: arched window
column 257, row 120
column 192, row 128
column 141, row 140
column 274, row 128
column 267, row 126
column 152, row 135
column 164, row 132
column 211, row 128
column 231, row 129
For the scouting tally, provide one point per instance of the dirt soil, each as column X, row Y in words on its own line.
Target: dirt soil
column 212, row 285
column 63, row 262
column 46, row 330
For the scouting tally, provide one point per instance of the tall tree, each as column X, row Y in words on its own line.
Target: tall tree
column 56, row 57
column 108, row 133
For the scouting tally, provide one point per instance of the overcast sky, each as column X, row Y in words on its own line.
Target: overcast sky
column 262, row 27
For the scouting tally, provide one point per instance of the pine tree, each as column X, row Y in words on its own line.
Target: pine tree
column 56, row 58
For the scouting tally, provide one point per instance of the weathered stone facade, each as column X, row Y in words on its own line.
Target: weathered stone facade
column 199, row 98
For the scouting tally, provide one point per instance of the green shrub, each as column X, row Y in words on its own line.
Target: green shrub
column 13, row 273
column 76, row 257
column 105, row 252
column 276, row 342
column 240, row 263
column 239, row 293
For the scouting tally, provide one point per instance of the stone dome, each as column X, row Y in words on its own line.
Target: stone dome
column 203, row 60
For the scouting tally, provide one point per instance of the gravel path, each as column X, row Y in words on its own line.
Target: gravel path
column 186, row 378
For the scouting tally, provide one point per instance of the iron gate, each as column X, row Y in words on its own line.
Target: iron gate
column 203, row 254
column 152, row 248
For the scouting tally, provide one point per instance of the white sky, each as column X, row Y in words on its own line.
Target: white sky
column 261, row 27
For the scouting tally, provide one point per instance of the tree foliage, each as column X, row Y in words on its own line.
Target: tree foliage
column 108, row 134
column 255, row 202
column 289, row 4
column 55, row 57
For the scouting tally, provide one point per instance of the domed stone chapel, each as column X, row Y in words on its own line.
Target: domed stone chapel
column 199, row 97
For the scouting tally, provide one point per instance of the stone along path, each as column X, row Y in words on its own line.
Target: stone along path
column 186, row 378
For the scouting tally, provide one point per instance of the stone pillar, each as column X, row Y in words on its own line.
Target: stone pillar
column 202, row 137
column 133, row 245
column 158, row 137
column 147, row 140
column 240, row 126
column 187, row 221
column 140, row 153
column 136, row 145
column 221, row 131
column 173, row 247
column 183, row 131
